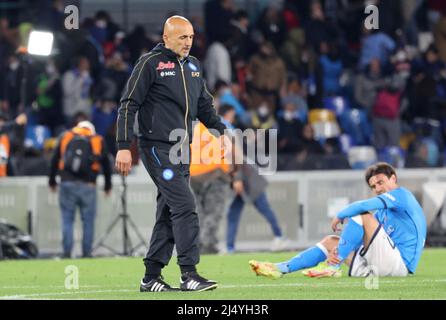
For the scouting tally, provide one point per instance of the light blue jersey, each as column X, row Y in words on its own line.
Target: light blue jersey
column 401, row 217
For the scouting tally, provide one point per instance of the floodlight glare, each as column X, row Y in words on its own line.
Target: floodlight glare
column 40, row 43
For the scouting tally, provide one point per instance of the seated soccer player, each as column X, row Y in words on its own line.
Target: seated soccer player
column 387, row 242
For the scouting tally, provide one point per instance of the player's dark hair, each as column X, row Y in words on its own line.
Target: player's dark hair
column 378, row 168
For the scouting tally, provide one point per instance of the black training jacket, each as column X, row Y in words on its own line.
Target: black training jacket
column 169, row 94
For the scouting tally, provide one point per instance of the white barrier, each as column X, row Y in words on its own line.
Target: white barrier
column 303, row 202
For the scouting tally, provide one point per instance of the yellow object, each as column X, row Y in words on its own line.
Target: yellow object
column 321, row 115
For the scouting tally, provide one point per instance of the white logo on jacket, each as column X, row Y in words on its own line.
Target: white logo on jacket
column 167, row 73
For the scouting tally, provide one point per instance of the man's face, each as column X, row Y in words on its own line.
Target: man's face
column 380, row 183
column 180, row 39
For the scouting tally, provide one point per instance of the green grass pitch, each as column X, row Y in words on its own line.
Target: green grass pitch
column 118, row 278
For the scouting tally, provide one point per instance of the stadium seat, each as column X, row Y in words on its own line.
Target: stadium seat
column 35, row 136
column 355, row 123
column 406, row 139
column 321, row 115
column 361, row 157
column 326, row 129
column 338, row 104
column 346, row 142
column 393, row 155
column 428, row 128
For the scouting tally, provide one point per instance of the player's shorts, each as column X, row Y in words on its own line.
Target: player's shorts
column 382, row 258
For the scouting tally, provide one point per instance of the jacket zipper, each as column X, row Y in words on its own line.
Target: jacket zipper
column 187, row 103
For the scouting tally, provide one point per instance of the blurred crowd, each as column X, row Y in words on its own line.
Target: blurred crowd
column 340, row 96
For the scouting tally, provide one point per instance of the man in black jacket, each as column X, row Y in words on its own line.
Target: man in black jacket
column 168, row 90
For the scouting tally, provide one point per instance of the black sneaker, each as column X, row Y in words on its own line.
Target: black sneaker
column 192, row 281
column 156, row 285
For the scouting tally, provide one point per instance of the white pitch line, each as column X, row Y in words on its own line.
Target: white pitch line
column 326, row 284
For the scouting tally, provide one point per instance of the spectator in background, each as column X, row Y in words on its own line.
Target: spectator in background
column 386, row 114
column 10, row 86
column 5, row 144
column 311, row 152
column 367, row 83
column 138, row 42
column 293, row 48
column 318, row 29
column 267, row 76
column 375, row 45
column 272, row 25
column 78, row 182
column 240, row 46
column 76, row 85
column 49, row 98
column 105, row 113
column 295, row 95
column 290, row 125
column 332, row 68
column 217, row 18
column 426, row 74
column 422, row 153
column 217, row 64
column 103, row 29
column 229, row 94
column 440, row 36
column 117, row 70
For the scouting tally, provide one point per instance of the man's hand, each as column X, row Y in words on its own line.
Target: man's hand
column 53, row 188
column 21, row 119
column 123, row 162
column 334, row 224
column 238, row 186
column 107, row 193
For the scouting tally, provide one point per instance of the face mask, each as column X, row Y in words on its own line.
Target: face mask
column 288, row 115
column 101, row 24
column 50, row 69
column 14, row 65
column 263, row 110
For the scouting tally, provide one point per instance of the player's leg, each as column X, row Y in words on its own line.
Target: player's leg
column 306, row 259
column 358, row 231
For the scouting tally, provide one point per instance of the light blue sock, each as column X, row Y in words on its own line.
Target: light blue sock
column 306, row 259
column 351, row 237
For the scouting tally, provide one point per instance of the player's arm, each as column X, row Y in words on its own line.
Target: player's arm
column 362, row 206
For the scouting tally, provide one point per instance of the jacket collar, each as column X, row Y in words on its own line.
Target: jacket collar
column 167, row 52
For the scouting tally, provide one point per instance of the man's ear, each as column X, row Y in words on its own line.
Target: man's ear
column 394, row 178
